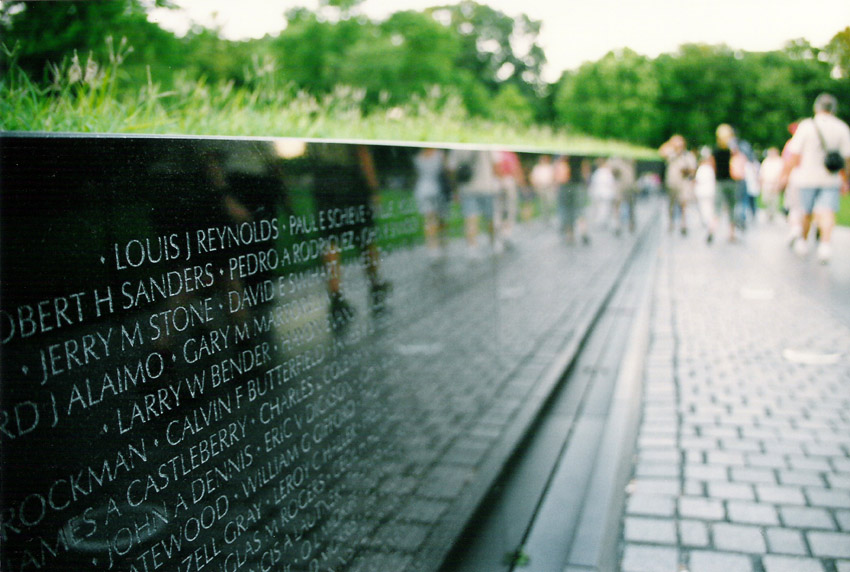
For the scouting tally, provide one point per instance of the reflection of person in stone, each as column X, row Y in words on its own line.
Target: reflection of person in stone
column 478, row 194
column 819, row 188
column 430, row 197
column 511, row 178
column 543, row 182
column 345, row 176
column 572, row 197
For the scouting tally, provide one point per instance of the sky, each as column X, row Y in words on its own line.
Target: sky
column 574, row 32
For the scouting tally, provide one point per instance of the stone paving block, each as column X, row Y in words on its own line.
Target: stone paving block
column 423, row 510
column 693, row 533
column 791, row 564
column 660, row 426
column 769, row 460
column 726, row 458
column 843, row 518
column 828, row 497
column 761, row 433
column 829, row 544
column 780, row 494
column 806, row 517
column 841, row 463
column 373, row 561
column 693, row 488
column 738, row 538
column 650, row 530
column 753, row 475
column 786, row 541
column 701, row 508
column 656, row 440
column 802, row 478
column 445, row 481
column 752, row 513
column 739, row 491
column 782, row 447
column 670, row 487
column 711, row 561
column 719, row 431
column 698, row 443
column 823, row 449
column 802, row 463
column 404, row 537
column 655, row 505
column 638, row 558
column 838, row 481
column 842, row 565
column 707, row 472
column 743, row 445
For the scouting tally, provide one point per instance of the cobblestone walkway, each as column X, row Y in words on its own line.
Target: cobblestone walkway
column 742, row 460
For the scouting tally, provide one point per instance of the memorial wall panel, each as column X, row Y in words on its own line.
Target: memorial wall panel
column 243, row 355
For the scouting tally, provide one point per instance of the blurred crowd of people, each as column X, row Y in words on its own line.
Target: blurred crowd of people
column 731, row 182
column 495, row 191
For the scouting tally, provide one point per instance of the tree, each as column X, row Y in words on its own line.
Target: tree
column 613, row 97
column 53, row 31
column 496, row 49
column 838, row 50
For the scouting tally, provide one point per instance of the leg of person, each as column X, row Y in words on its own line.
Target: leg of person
column 728, row 191
column 808, row 198
column 432, row 231
column 671, row 208
column 470, row 220
column 824, row 211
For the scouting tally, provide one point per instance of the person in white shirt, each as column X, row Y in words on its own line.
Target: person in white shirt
column 705, row 189
column 819, row 188
column 769, row 174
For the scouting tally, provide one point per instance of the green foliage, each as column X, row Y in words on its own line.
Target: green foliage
column 489, row 49
column 839, row 52
column 691, row 91
column 614, row 97
column 50, row 32
column 453, row 73
column 101, row 104
column 512, row 107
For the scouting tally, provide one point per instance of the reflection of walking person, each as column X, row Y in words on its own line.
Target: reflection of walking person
column 543, row 181
column 430, row 197
column 572, row 197
column 345, row 176
column 819, row 185
column 478, row 185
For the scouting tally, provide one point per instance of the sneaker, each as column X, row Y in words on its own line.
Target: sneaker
column 824, row 252
column 801, row 247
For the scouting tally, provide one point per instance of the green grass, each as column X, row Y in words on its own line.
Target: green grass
column 89, row 98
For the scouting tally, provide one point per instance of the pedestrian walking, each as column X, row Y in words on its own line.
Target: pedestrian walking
column 820, row 149
column 705, row 189
column 769, row 178
column 678, row 178
column 722, row 155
